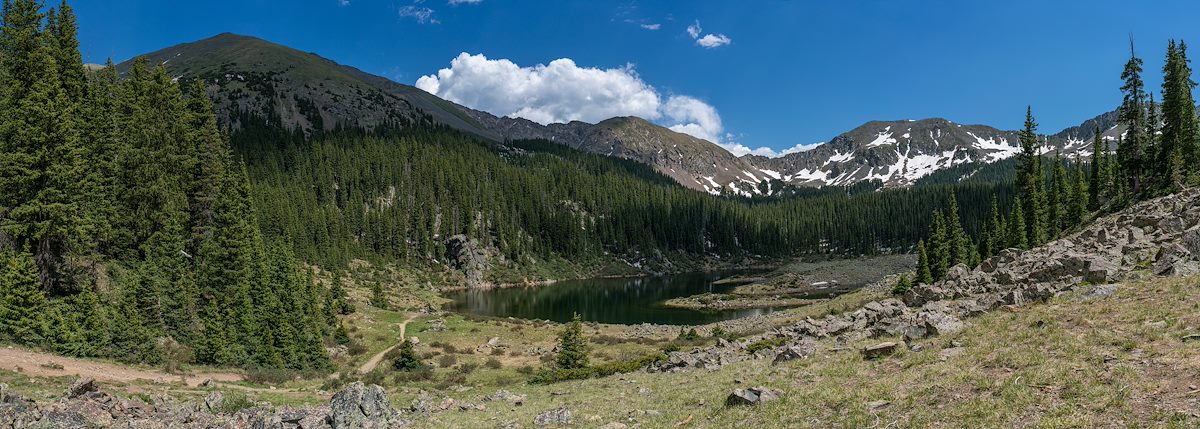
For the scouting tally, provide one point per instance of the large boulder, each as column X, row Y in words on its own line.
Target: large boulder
column 360, row 406
column 751, row 396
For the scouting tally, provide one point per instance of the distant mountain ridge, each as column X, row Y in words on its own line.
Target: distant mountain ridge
column 250, row 76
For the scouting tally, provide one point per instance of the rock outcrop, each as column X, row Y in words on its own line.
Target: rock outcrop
column 84, row 405
column 1156, row 237
column 469, row 256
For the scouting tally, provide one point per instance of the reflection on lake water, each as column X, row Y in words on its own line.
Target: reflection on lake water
column 616, row 300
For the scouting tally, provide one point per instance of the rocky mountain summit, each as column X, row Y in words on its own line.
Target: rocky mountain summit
column 1159, row 237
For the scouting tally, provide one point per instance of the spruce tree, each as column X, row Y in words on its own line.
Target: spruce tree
column 960, row 243
column 39, row 147
column 1017, row 231
column 1079, row 201
column 22, row 302
column 572, row 346
column 1131, row 151
column 1030, row 184
column 924, row 273
column 407, row 360
column 939, row 244
column 1096, row 182
column 1180, row 130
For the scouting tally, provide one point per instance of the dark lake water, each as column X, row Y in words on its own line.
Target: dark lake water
column 622, row 300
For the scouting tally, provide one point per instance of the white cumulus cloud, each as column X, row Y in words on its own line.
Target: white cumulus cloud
column 713, row 40
column 562, row 91
column 652, row 26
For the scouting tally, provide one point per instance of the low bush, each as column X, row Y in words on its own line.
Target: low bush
column 769, row 343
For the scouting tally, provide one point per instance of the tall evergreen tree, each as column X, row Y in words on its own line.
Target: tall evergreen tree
column 1180, row 130
column 40, row 165
column 1018, row 233
column 1096, row 182
column 939, row 244
column 1030, row 182
column 1079, row 201
column 22, row 302
column 924, row 273
column 1131, row 152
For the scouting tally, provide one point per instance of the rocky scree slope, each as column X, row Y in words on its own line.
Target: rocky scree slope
column 1156, row 237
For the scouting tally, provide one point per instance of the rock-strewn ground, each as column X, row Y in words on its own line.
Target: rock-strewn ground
column 1156, row 237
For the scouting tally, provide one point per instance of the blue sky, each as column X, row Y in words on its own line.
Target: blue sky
column 774, row 74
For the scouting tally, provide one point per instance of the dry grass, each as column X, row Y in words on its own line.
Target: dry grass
column 1114, row 362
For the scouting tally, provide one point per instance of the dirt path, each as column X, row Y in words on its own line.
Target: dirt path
column 374, row 361
column 39, row 364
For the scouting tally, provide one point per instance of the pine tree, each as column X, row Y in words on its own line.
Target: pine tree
column 61, row 31
column 572, row 346
column 1180, row 131
column 1061, row 197
column 1131, row 152
column 902, row 285
column 1030, row 182
column 22, row 302
column 39, row 147
column 924, row 273
column 407, row 360
column 1079, row 200
column 1017, row 231
column 939, row 244
column 1096, row 179
column 996, row 231
column 960, row 243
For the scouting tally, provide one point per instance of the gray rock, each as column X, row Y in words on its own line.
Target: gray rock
column 359, row 406
column 793, row 352
column 880, row 350
column 214, row 401
column 941, row 323
column 559, row 416
column 751, row 396
column 81, row 386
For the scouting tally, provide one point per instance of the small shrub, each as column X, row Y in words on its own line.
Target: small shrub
column 447, row 361
column 717, row 332
column 902, row 285
column 769, row 343
column 689, row 335
column 408, row 360
column 493, row 363
column 270, row 375
column 422, row 374
column 467, row 368
column 233, row 402
column 356, row 348
column 525, row 369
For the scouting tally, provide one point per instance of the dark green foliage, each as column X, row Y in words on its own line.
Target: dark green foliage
column 572, row 346
column 689, row 335
column 939, row 246
column 378, row 298
column 924, row 271
column 407, row 360
column 22, row 303
column 1133, row 148
column 1030, row 183
column 1177, row 149
column 553, row 375
column 765, row 344
column 902, row 285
